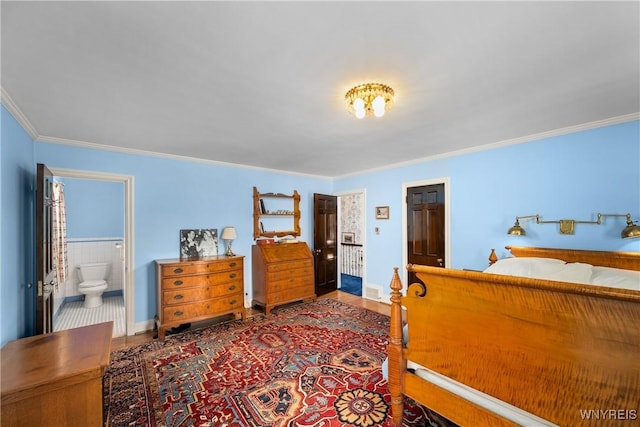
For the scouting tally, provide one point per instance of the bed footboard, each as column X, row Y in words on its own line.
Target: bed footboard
column 566, row 353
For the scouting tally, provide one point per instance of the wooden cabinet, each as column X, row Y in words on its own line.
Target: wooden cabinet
column 275, row 206
column 282, row 273
column 194, row 290
column 56, row 379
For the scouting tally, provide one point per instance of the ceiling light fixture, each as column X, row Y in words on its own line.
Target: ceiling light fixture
column 369, row 99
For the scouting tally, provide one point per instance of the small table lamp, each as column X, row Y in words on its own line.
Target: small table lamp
column 229, row 235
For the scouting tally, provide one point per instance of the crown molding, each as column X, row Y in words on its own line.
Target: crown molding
column 15, row 111
column 529, row 138
column 135, row 151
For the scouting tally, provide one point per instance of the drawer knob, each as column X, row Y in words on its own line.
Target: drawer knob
column 179, row 296
column 232, row 275
column 232, row 264
column 232, row 287
column 178, row 270
column 178, row 313
column 178, row 282
column 232, row 302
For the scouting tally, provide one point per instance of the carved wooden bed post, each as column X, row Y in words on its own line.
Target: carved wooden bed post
column 397, row 364
column 493, row 258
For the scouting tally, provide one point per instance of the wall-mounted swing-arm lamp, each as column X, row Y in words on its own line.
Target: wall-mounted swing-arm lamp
column 517, row 230
column 567, row 226
column 631, row 231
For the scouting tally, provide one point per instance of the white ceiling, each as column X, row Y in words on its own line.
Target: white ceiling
column 263, row 83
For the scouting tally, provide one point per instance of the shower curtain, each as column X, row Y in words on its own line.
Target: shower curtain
column 59, row 237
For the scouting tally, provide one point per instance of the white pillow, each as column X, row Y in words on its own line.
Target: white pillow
column 573, row 272
column 526, row 266
column 615, row 278
column 543, row 268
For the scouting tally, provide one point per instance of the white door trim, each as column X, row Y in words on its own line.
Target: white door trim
column 129, row 235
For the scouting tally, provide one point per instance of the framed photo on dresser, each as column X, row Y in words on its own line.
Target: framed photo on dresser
column 198, row 243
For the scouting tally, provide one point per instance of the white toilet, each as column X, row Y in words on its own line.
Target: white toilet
column 92, row 282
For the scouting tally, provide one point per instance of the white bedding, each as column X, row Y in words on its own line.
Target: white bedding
column 574, row 272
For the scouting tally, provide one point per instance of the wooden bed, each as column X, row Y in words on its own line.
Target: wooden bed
column 565, row 352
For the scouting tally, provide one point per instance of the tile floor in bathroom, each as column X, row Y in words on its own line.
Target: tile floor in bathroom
column 73, row 315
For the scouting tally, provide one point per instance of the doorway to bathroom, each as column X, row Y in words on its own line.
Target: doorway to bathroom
column 99, row 231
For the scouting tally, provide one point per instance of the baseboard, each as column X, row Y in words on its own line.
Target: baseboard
column 372, row 292
column 146, row 326
column 114, row 293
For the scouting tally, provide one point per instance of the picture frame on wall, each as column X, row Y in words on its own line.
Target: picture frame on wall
column 198, row 243
column 382, row 212
column 348, row 238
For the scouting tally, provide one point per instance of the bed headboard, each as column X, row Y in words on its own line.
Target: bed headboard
column 624, row 260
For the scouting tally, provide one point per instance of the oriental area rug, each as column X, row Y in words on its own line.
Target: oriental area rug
column 310, row 364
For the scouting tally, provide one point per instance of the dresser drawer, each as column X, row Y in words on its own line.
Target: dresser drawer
column 290, row 265
column 290, row 282
column 179, row 282
column 181, row 296
column 202, row 308
column 199, row 267
column 290, row 294
column 293, row 273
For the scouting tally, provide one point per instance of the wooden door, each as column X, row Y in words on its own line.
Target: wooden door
column 45, row 273
column 325, row 231
column 425, row 226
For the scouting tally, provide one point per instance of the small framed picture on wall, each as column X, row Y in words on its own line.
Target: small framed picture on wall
column 382, row 212
column 348, row 238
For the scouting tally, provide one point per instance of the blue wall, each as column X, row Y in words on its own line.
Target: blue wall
column 170, row 195
column 94, row 208
column 17, row 192
column 572, row 176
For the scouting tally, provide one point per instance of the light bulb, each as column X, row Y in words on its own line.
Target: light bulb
column 378, row 106
column 358, row 107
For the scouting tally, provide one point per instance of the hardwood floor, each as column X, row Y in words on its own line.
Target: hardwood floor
column 143, row 337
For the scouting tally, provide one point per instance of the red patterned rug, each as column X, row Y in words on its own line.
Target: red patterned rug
column 313, row 364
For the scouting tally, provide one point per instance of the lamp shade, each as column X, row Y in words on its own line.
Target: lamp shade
column 631, row 231
column 517, row 230
column 229, row 233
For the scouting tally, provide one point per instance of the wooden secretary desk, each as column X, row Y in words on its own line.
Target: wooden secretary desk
column 282, row 273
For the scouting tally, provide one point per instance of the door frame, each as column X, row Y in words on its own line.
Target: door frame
column 129, row 235
column 362, row 191
column 447, row 220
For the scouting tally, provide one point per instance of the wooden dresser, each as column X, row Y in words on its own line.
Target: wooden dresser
column 282, row 273
column 56, row 379
column 194, row 290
